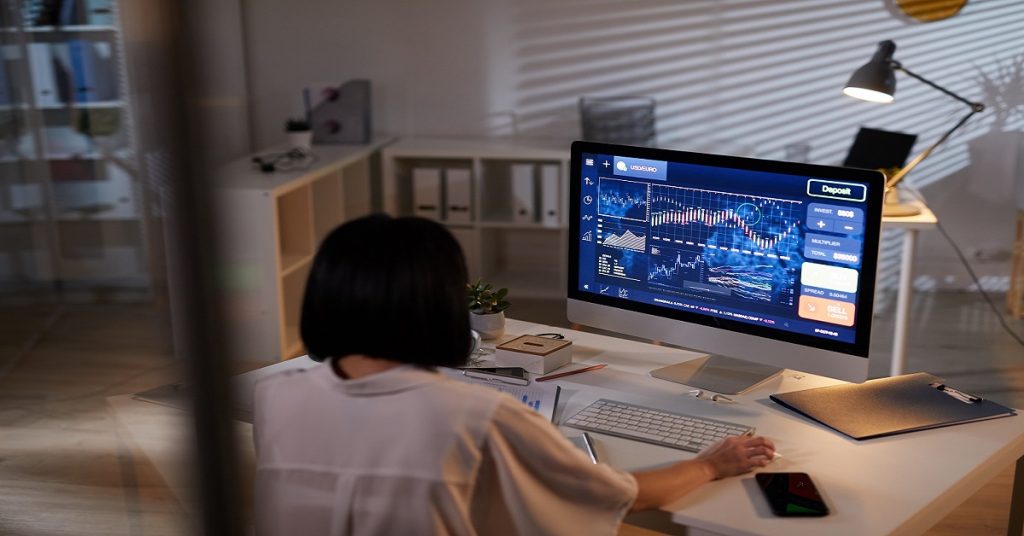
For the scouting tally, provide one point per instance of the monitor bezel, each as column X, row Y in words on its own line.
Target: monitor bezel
column 872, row 228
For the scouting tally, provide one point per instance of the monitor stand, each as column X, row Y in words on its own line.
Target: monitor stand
column 718, row 374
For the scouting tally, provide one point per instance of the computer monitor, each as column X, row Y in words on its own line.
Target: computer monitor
column 772, row 263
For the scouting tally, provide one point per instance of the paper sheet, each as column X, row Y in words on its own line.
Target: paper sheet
column 540, row 397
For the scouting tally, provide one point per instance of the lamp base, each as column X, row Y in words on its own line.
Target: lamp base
column 894, row 207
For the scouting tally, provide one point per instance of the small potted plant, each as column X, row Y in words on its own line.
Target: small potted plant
column 299, row 134
column 487, row 309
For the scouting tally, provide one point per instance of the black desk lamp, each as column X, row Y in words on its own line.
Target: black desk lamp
column 875, row 81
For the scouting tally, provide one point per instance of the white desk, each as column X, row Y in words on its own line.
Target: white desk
column 896, row 485
column 911, row 226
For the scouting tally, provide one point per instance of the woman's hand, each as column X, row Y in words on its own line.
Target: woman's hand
column 731, row 456
column 738, row 454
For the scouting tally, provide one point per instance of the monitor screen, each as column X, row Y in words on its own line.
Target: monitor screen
column 778, row 250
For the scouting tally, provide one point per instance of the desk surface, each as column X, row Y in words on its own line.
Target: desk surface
column 902, row 484
column 925, row 220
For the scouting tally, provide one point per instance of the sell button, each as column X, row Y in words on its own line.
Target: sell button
column 823, row 310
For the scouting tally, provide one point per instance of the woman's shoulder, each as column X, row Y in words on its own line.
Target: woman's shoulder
column 284, row 376
column 279, row 383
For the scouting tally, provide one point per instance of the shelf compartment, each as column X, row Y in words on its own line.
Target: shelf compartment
column 328, row 210
column 528, row 262
column 469, row 241
column 83, row 105
column 525, row 226
column 69, row 28
column 403, row 177
column 290, row 263
column 357, row 189
column 295, row 351
column 294, row 225
column 501, row 191
column 528, row 285
column 293, row 288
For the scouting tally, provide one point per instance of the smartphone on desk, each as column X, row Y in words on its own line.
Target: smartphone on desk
column 514, row 375
column 792, row 494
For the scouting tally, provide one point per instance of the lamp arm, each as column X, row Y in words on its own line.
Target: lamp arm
column 895, row 179
column 976, row 106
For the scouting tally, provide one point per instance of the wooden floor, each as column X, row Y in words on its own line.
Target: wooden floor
column 66, row 469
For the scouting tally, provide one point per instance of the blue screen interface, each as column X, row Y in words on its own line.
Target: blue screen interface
column 776, row 250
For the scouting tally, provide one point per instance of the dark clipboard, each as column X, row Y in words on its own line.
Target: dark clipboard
column 888, row 406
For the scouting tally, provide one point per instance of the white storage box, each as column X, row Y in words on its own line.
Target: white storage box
column 538, row 355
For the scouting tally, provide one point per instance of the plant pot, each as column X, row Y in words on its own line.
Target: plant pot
column 490, row 326
column 300, row 139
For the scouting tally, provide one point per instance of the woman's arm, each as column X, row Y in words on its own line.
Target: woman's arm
column 732, row 456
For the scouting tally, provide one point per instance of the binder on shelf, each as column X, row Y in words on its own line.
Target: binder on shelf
column 99, row 12
column 70, row 13
column 523, row 200
column 458, row 195
column 91, row 81
column 10, row 68
column 888, row 406
column 44, row 80
column 25, row 197
column 550, row 202
column 426, row 193
column 6, row 85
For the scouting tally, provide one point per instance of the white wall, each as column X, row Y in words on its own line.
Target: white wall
column 430, row 62
column 223, row 95
column 744, row 73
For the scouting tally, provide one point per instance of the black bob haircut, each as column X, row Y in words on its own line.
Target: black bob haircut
column 391, row 288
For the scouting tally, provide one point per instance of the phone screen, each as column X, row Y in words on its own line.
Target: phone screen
column 792, row 494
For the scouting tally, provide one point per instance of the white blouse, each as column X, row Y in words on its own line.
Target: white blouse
column 407, row 451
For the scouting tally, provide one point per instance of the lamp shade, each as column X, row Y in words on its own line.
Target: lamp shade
column 875, row 81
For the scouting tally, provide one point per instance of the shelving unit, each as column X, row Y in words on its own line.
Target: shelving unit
column 71, row 157
column 73, row 28
column 271, row 225
column 524, row 252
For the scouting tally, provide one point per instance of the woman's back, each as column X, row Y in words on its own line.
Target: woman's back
column 407, row 451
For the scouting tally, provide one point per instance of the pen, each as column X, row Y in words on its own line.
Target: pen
column 590, row 447
column 569, row 373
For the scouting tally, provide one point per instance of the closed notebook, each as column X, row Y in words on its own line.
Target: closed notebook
column 888, row 406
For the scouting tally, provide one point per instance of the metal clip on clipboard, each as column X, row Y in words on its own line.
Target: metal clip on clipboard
column 959, row 395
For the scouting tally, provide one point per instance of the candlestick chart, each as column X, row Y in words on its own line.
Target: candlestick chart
column 727, row 221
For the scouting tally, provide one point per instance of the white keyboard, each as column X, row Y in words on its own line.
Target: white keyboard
column 673, row 430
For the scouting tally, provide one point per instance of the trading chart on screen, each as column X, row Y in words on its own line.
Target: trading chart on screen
column 776, row 250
